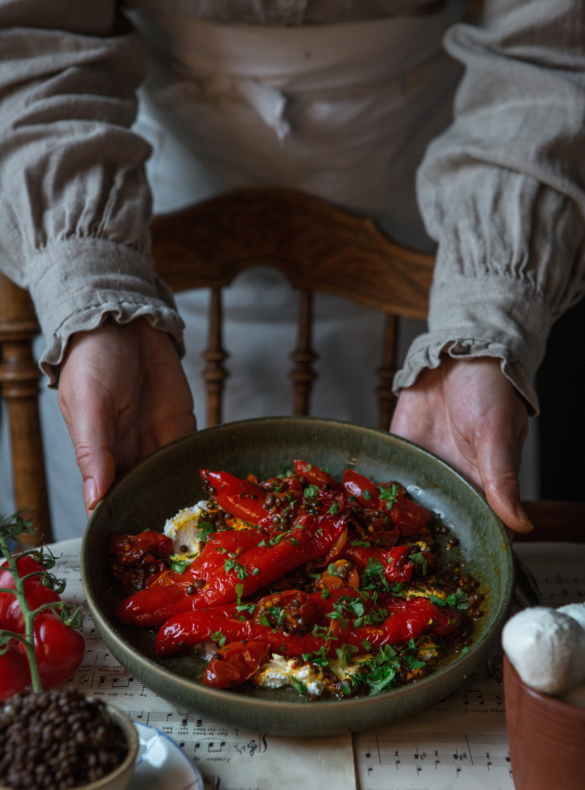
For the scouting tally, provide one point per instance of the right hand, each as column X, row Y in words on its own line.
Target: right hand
column 123, row 394
column 467, row 412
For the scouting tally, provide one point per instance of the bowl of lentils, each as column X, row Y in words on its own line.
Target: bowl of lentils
column 60, row 739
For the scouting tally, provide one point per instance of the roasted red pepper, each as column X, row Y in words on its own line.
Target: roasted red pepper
column 361, row 488
column 252, row 569
column 234, row 663
column 407, row 620
column 395, row 562
column 241, row 498
column 315, row 476
column 137, row 559
column 409, row 516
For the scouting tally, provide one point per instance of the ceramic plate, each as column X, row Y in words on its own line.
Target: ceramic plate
column 161, row 765
column 168, row 480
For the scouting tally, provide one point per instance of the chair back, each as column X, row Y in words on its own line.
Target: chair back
column 318, row 247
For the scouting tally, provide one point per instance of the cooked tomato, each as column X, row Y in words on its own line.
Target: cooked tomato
column 234, row 664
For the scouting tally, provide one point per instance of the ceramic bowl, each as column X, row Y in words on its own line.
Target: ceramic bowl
column 546, row 735
column 168, row 480
column 118, row 779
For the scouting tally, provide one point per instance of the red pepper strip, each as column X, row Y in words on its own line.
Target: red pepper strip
column 213, row 556
column 234, row 663
column 265, row 564
column 166, row 596
column 35, row 591
column 186, row 630
column 314, row 475
column 397, row 566
column 241, row 498
column 409, row 516
column 361, row 488
column 258, row 566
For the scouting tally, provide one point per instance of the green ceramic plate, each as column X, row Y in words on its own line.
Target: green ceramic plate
column 168, row 480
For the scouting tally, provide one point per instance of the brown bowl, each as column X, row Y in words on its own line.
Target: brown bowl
column 120, row 777
column 546, row 735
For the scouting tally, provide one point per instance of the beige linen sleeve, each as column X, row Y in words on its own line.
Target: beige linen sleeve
column 503, row 191
column 74, row 200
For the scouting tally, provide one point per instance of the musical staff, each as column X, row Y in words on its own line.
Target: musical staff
column 228, row 758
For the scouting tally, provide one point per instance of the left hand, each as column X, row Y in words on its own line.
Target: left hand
column 467, row 412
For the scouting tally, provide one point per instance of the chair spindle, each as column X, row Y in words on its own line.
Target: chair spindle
column 19, row 387
column 214, row 373
column 386, row 373
column 303, row 356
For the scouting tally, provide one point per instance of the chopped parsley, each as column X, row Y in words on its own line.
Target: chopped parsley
column 310, row 492
column 205, row 529
column 345, row 654
column 436, row 600
column 366, row 495
column 234, row 565
column 365, row 543
column 218, row 637
column 285, row 471
column 334, row 508
column 325, row 594
column 180, row 566
column 319, row 658
column 389, row 493
column 373, row 576
column 419, row 559
column 458, row 600
column 299, row 685
column 379, row 673
column 320, row 631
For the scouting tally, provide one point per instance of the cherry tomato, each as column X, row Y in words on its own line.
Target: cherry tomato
column 234, row 664
column 59, row 649
column 14, row 672
column 35, row 591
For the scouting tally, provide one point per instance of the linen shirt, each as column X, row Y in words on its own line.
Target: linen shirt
column 501, row 191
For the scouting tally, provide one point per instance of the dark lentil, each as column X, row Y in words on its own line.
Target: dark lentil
column 74, row 741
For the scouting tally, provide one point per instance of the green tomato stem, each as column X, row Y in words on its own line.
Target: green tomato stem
column 29, row 639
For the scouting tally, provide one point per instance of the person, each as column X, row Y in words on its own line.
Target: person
column 255, row 87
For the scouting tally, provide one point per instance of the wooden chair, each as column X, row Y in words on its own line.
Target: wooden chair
column 317, row 246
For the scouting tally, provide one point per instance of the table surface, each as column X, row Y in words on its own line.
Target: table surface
column 460, row 742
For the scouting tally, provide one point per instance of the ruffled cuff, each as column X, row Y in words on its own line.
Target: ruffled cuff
column 77, row 284
column 484, row 316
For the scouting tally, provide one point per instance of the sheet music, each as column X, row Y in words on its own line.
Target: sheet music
column 461, row 742
column 227, row 757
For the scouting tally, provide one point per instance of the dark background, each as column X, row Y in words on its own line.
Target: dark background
column 561, row 388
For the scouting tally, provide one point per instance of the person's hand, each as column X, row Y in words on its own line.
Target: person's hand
column 123, row 393
column 468, row 413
